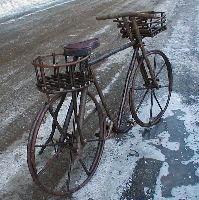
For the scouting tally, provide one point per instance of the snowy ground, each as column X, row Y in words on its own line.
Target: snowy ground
column 172, row 145
column 120, row 157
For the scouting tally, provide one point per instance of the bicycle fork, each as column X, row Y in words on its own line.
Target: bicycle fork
column 144, row 53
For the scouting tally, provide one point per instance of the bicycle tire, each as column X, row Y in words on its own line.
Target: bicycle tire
column 58, row 162
column 147, row 103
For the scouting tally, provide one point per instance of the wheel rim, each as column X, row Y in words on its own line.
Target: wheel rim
column 147, row 103
column 60, row 164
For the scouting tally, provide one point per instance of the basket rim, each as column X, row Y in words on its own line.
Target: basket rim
column 39, row 58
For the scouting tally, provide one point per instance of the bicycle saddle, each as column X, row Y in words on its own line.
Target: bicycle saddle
column 83, row 48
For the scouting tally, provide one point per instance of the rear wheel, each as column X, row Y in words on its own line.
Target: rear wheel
column 63, row 150
column 147, row 103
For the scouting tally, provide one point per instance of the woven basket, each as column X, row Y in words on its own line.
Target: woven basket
column 148, row 27
column 58, row 73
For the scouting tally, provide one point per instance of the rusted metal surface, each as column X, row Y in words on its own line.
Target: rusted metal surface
column 112, row 52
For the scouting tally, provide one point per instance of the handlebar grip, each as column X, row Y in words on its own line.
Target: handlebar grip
column 125, row 14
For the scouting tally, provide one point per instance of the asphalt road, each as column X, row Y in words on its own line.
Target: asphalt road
column 156, row 163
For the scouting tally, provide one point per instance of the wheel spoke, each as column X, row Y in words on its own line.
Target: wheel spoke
column 71, row 158
column 157, row 101
column 50, row 139
column 59, row 144
column 56, row 122
column 154, row 63
column 163, row 66
column 164, row 86
column 84, row 167
column 96, row 140
column 49, row 161
column 142, row 100
column 151, row 107
column 90, row 115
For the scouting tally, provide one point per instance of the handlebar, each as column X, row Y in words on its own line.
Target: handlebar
column 126, row 14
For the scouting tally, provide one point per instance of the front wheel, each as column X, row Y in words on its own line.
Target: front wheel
column 147, row 102
column 66, row 143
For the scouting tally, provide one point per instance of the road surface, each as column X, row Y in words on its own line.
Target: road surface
column 157, row 163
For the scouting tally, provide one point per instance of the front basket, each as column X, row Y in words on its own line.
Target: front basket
column 148, row 27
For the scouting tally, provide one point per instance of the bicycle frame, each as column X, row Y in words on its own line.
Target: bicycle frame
column 136, row 44
column 135, row 57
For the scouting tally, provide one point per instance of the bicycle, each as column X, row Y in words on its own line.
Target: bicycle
column 68, row 134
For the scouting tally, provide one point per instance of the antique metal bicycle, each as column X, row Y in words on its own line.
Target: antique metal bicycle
column 68, row 134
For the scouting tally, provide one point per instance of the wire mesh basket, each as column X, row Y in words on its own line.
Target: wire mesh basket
column 148, row 27
column 58, row 73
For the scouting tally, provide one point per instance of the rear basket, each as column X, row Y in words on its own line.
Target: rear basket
column 148, row 27
column 56, row 73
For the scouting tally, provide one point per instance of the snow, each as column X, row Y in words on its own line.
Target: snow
column 8, row 7
column 117, row 165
